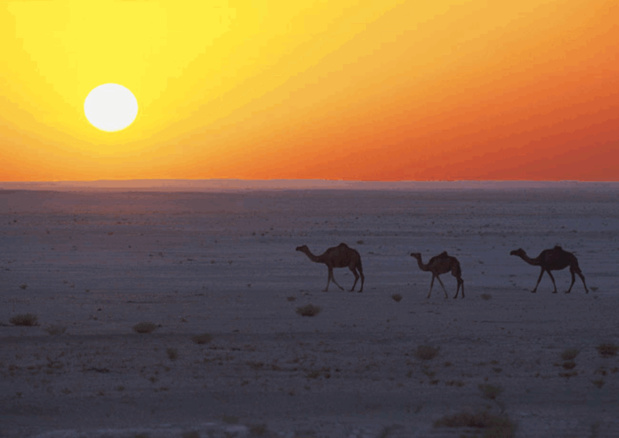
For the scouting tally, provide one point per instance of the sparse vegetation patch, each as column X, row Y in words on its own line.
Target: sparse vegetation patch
column 570, row 354
column 607, row 350
column 25, row 320
column 494, row 426
column 396, row 297
column 56, row 330
column 202, row 339
column 569, row 364
column 172, row 353
column 144, row 327
column 309, row 310
column 490, row 392
column 426, row 352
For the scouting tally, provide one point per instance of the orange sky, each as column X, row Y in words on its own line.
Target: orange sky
column 338, row 89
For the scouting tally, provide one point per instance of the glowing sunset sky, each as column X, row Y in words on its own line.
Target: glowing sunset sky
column 334, row 89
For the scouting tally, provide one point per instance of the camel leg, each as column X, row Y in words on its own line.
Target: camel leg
column 538, row 280
column 460, row 284
column 572, row 283
column 553, row 282
column 335, row 282
column 354, row 271
column 329, row 275
column 443, row 286
column 431, row 285
column 582, row 277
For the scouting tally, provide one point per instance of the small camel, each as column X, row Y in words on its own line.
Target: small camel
column 553, row 259
column 441, row 264
column 341, row 256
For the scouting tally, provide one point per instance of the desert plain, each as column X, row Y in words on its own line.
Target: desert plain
column 227, row 354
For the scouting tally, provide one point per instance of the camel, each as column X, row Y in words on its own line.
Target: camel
column 341, row 256
column 441, row 264
column 553, row 259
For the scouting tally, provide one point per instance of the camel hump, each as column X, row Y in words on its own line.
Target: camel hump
column 343, row 245
column 443, row 254
column 558, row 248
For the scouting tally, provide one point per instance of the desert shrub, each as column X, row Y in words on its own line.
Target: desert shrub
column 494, row 426
column 144, row 327
column 309, row 310
column 607, row 350
column 490, row 392
column 486, row 297
column 396, row 297
column 598, row 382
column 570, row 354
column 426, row 352
column 55, row 330
column 172, row 353
column 569, row 364
column 201, row 339
column 25, row 319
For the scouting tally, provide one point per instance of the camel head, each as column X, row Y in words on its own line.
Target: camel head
column 416, row 255
column 518, row 252
column 303, row 248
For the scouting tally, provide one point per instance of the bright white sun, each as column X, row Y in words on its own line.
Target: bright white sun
column 110, row 107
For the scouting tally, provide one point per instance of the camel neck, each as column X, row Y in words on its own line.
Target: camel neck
column 421, row 265
column 312, row 257
column 529, row 260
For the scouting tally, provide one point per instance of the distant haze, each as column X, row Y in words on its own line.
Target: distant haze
column 218, row 185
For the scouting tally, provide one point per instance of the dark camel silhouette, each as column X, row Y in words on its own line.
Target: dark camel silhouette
column 441, row 264
column 341, row 256
column 553, row 259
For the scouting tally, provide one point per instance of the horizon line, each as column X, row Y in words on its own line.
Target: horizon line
column 238, row 184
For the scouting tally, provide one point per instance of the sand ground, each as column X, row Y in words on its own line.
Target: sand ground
column 96, row 263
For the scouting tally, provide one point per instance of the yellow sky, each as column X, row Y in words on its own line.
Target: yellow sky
column 311, row 89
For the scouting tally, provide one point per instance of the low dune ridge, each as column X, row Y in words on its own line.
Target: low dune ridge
column 176, row 313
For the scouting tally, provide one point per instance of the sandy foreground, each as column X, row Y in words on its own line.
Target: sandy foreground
column 92, row 264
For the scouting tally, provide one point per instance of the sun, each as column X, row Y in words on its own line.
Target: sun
column 111, row 107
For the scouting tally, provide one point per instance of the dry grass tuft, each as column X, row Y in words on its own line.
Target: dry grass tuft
column 396, row 297
column 172, row 353
column 25, row 320
column 486, row 297
column 309, row 310
column 426, row 352
column 56, row 330
column 201, row 339
column 569, row 364
column 491, row 392
column 570, row 354
column 495, row 426
column 144, row 327
column 607, row 350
